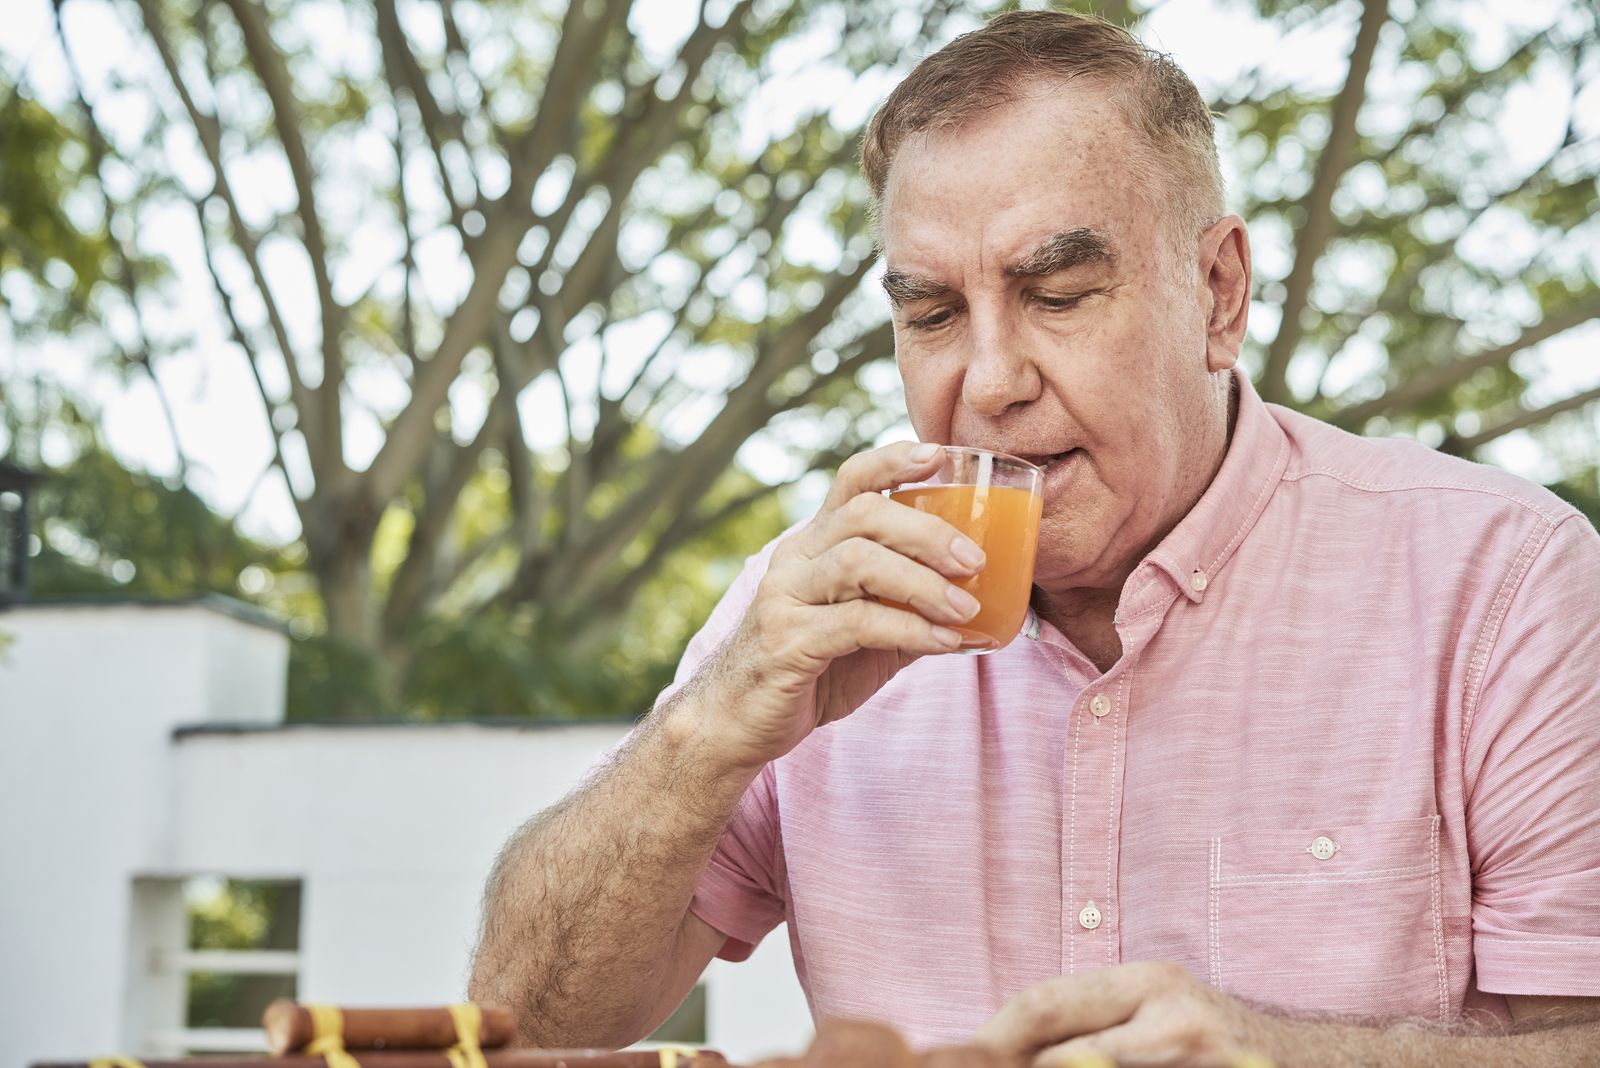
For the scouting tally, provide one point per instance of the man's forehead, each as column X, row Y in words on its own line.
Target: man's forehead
column 1040, row 166
column 1056, row 121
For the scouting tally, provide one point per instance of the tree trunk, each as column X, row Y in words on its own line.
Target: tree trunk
column 346, row 585
column 342, row 563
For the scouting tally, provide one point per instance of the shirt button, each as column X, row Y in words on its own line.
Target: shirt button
column 1197, row 581
column 1322, row 847
column 1089, row 918
column 1100, row 705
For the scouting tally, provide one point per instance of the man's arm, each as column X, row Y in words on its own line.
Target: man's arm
column 1160, row 1014
column 587, row 933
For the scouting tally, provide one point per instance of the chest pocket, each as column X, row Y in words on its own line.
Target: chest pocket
column 1341, row 919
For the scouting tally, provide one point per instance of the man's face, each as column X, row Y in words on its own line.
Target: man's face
column 1043, row 309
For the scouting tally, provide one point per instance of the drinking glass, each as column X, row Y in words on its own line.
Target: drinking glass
column 995, row 500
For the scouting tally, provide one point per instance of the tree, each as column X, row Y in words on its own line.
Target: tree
column 525, row 291
column 1409, row 184
column 552, row 187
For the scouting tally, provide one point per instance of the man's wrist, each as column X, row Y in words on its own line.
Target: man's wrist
column 694, row 746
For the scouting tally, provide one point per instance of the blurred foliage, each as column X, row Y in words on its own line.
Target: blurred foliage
column 1443, row 244
column 107, row 531
column 110, row 530
column 43, row 250
column 1582, row 491
column 239, row 914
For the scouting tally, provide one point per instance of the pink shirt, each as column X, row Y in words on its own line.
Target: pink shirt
column 1349, row 762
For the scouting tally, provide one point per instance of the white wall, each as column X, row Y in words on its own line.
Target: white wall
column 393, row 830
column 88, row 698
column 390, row 828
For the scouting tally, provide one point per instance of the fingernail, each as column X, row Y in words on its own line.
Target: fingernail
column 967, row 552
column 948, row 638
column 924, row 452
column 962, row 601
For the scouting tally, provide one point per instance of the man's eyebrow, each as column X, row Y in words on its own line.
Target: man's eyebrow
column 909, row 288
column 1077, row 247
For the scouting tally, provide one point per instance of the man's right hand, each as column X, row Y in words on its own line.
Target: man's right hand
column 815, row 643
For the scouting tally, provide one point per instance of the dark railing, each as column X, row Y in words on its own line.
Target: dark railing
column 16, row 487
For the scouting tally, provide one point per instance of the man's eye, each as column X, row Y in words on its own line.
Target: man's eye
column 934, row 319
column 1059, row 303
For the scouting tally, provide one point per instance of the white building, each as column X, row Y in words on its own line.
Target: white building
column 143, row 745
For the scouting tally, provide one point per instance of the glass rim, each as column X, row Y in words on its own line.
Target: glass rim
column 1005, row 456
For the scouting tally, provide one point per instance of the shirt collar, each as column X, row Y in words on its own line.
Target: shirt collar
column 1196, row 550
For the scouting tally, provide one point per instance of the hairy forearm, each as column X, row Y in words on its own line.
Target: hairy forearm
column 1300, row 1044
column 583, row 909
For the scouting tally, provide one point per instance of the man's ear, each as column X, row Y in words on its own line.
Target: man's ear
column 1225, row 270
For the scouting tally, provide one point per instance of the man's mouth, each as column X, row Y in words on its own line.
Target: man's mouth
column 1046, row 460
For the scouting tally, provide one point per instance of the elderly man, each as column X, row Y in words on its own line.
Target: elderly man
column 1300, row 750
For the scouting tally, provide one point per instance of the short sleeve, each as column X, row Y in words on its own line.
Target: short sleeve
column 739, row 893
column 1532, row 749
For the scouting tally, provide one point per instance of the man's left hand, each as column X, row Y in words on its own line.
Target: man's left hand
column 1137, row 1014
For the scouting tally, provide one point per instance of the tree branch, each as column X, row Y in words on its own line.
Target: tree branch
column 240, row 338
column 685, row 527
column 1317, row 226
column 1442, row 377
column 408, row 257
column 274, row 75
column 422, row 577
column 1403, row 280
column 208, row 130
column 492, row 256
column 685, row 475
column 99, row 150
column 610, row 427
column 688, row 524
column 416, row 582
column 406, row 77
column 411, row 430
column 572, row 72
column 1522, row 421
column 645, row 129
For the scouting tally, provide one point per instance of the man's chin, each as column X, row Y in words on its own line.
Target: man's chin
column 1086, row 555
column 1060, row 573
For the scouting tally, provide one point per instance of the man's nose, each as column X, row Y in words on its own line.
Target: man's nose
column 1001, row 372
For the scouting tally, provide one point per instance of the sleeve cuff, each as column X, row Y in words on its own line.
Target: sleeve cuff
column 1556, row 967
column 730, row 908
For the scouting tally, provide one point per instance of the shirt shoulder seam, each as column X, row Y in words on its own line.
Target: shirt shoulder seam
column 1369, row 487
column 1489, row 634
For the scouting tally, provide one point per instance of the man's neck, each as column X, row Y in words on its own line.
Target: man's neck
column 1087, row 619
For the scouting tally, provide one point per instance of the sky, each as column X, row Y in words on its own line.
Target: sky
column 222, row 425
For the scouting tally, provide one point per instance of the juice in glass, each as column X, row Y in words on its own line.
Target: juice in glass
column 994, row 500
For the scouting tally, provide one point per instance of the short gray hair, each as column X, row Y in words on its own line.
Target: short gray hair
column 1177, row 159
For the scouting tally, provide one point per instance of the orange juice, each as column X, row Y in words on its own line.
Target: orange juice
column 1004, row 521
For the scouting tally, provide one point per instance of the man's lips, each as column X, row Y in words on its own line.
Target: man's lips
column 1044, row 460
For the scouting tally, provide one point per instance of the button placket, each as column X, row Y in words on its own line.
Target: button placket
column 1092, row 827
